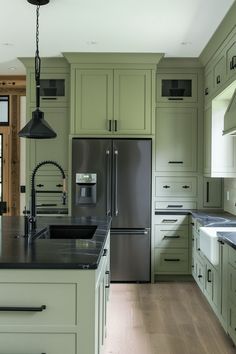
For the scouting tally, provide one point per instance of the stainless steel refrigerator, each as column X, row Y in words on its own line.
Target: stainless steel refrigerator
column 113, row 177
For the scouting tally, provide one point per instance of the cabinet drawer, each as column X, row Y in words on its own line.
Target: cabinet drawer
column 59, row 299
column 175, row 187
column 232, row 256
column 29, row 343
column 171, row 219
column 171, row 261
column 175, row 205
column 167, row 236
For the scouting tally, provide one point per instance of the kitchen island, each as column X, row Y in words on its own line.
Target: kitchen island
column 53, row 292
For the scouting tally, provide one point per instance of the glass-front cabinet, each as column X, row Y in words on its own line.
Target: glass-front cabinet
column 176, row 87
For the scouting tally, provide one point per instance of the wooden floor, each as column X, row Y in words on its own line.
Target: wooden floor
column 163, row 318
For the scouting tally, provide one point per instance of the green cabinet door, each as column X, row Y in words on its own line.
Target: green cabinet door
column 132, row 101
column 176, row 139
column 51, row 149
column 207, row 141
column 93, row 101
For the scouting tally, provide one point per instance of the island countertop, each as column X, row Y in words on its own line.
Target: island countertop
column 17, row 252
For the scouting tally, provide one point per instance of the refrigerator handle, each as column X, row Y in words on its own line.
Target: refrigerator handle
column 108, row 181
column 115, row 183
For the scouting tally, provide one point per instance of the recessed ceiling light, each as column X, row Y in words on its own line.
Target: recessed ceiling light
column 186, row 43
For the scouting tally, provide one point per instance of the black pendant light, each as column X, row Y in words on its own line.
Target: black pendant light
column 37, row 127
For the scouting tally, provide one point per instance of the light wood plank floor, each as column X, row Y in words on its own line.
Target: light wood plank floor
column 163, row 318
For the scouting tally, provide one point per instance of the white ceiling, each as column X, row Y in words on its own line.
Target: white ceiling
column 157, row 26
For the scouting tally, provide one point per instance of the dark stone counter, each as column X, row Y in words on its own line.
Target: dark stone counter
column 16, row 251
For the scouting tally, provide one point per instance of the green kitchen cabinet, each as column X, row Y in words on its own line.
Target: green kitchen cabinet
column 231, row 58
column 212, row 192
column 115, row 101
column 51, row 149
column 212, row 286
column 176, row 139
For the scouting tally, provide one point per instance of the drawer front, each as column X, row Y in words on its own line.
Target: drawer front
column 176, row 187
column 171, row 219
column 171, row 261
column 168, row 236
column 175, row 205
column 30, row 343
column 59, row 299
column 232, row 256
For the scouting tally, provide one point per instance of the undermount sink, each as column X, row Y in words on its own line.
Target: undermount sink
column 75, row 232
column 209, row 244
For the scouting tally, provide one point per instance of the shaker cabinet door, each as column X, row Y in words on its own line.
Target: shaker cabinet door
column 176, row 139
column 93, row 101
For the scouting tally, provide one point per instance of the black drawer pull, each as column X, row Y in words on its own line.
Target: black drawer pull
column 40, row 185
column 49, row 98
column 185, row 187
column 59, row 185
column 115, row 128
column 166, row 187
column 199, row 249
column 104, row 252
column 218, row 79
column 177, row 162
column 171, row 259
column 109, row 125
column 169, row 237
column 175, row 98
column 174, row 206
column 233, row 63
column 192, row 223
column 199, row 276
column 169, row 220
column 206, row 92
column 23, row 308
column 221, row 242
column 208, row 275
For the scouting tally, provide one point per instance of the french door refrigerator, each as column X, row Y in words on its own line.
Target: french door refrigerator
column 113, row 177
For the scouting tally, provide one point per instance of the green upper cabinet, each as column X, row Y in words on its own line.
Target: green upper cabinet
column 219, row 71
column 93, row 101
column 132, row 101
column 113, row 101
column 176, row 139
column 231, row 58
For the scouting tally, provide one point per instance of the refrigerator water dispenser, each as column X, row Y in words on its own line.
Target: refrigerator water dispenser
column 86, row 188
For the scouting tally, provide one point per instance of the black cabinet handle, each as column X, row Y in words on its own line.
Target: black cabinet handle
column 233, row 63
column 169, row 220
column 115, row 121
column 169, row 237
column 206, row 92
column 171, row 259
column 199, row 276
column 175, row 98
column 108, row 282
column 174, row 206
column 40, row 185
column 59, row 185
column 49, row 98
column 178, row 162
column 218, row 79
column 192, row 223
column 221, row 242
column 208, row 275
column 199, row 249
column 109, row 125
column 105, row 252
column 185, row 187
column 23, row 308
column 207, row 191
column 166, row 186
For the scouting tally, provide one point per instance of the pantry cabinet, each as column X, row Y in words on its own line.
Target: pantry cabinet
column 176, row 139
column 113, row 101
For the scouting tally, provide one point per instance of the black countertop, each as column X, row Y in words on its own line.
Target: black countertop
column 16, row 251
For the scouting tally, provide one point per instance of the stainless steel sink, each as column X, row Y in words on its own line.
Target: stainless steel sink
column 75, row 232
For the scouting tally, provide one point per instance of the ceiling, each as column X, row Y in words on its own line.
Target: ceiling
column 179, row 28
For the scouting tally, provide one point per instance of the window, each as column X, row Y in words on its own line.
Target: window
column 4, row 110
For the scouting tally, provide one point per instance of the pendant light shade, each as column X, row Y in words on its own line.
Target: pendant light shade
column 37, row 127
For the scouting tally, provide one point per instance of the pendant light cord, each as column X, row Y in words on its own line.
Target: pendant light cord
column 37, row 60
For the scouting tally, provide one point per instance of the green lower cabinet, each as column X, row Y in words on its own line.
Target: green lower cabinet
column 212, row 285
column 171, row 261
column 232, row 321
